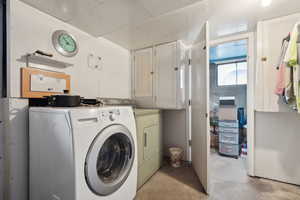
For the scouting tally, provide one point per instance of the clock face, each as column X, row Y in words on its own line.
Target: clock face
column 67, row 43
column 64, row 43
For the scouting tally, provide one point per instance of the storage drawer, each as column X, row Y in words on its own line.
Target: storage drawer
column 228, row 130
column 231, row 138
column 229, row 149
column 229, row 123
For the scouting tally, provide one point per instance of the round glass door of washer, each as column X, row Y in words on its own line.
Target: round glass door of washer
column 109, row 160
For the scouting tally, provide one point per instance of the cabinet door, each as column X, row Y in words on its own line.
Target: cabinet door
column 149, row 146
column 143, row 77
column 147, row 127
column 270, row 34
column 166, row 71
column 151, row 141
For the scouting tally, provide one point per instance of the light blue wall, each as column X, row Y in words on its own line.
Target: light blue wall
column 229, row 51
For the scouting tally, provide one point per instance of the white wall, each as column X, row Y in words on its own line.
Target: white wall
column 30, row 29
column 277, row 140
column 16, row 149
column 175, row 131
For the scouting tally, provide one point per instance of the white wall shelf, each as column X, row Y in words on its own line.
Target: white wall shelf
column 44, row 60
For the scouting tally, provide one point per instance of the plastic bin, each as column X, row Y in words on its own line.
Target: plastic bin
column 229, row 149
column 229, row 138
column 229, row 123
column 229, row 130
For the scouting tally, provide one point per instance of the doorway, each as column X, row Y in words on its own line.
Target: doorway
column 228, row 98
column 231, row 108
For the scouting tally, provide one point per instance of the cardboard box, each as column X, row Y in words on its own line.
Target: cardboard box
column 227, row 113
column 214, row 141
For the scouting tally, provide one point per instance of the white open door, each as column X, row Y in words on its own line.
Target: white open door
column 200, row 106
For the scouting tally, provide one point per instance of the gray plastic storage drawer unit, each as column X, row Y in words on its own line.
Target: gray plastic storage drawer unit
column 229, row 138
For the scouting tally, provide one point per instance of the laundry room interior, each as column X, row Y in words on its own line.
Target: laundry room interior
column 149, row 100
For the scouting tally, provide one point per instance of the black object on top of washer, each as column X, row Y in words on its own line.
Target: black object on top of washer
column 62, row 101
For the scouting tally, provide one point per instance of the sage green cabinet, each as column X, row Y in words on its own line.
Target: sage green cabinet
column 149, row 143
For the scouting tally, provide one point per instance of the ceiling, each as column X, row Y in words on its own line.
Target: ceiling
column 140, row 23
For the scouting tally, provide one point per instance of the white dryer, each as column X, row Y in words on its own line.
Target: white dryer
column 83, row 153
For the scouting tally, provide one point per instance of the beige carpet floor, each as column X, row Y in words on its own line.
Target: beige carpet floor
column 229, row 181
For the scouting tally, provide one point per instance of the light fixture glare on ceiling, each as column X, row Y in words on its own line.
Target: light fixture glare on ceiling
column 266, row 3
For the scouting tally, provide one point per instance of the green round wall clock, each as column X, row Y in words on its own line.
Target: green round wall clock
column 64, row 43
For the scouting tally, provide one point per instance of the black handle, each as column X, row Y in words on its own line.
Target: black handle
column 145, row 139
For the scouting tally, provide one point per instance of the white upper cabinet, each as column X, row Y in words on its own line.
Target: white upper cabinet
column 143, row 77
column 170, row 63
column 166, row 71
column 161, row 84
column 270, row 34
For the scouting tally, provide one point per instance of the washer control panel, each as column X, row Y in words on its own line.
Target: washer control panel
column 110, row 115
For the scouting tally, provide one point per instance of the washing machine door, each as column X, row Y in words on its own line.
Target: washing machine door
column 109, row 160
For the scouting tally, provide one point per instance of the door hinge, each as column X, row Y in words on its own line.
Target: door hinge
column 190, row 62
column 204, row 48
column 190, row 102
column 190, row 143
column 206, row 115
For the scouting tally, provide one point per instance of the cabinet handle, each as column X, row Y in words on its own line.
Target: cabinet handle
column 176, row 68
column 151, row 73
column 264, row 59
column 145, row 139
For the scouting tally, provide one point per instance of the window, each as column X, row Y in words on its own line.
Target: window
column 232, row 73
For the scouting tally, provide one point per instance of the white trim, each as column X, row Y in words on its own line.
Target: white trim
column 230, row 61
column 250, row 94
column 188, row 94
column 188, row 133
column 231, row 38
column 208, row 46
column 250, row 105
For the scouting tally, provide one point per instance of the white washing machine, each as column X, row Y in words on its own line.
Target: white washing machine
column 83, row 153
